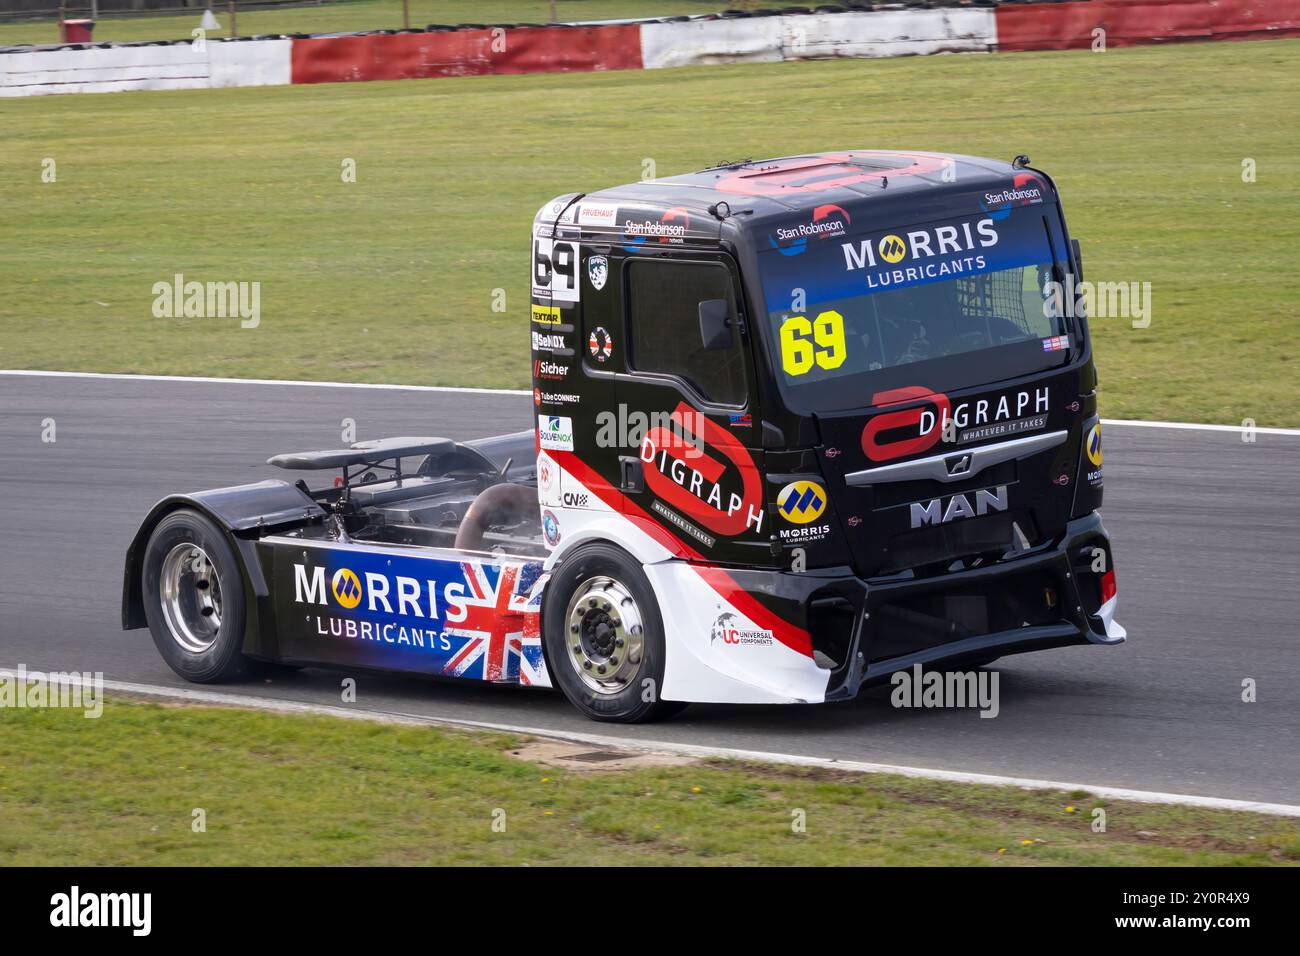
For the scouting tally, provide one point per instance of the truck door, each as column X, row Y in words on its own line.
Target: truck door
column 691, row 463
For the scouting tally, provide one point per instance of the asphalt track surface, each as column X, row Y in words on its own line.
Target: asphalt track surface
column 1206, row 532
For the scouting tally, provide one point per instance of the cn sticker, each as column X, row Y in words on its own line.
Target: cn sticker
column 555, row 269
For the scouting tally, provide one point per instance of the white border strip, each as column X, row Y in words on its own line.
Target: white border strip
column 123, row 376
column 691, row 750
column 126, row 376
column 1197, row 426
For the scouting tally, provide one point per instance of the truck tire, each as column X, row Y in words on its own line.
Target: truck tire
column 604, row 636
column 194, row 598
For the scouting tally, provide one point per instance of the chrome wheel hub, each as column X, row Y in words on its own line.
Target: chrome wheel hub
column 605, row 635
column 190, row 593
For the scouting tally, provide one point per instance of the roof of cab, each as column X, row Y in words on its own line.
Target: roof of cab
column 886, row 184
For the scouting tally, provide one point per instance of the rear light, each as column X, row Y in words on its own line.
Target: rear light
column 1108, row 588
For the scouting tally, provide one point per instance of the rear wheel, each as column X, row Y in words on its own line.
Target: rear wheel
column 194, row 598
column 604, row 636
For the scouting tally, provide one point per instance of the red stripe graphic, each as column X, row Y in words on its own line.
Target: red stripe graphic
column 792, row 636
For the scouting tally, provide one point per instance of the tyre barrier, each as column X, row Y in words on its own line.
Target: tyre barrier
column 892, row 29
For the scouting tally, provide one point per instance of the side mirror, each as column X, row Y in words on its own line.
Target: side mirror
column 715, row 324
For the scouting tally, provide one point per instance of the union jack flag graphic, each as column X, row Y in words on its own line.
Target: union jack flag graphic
column 501, row 613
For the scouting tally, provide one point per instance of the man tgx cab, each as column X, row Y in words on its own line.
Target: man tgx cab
column 843, row 391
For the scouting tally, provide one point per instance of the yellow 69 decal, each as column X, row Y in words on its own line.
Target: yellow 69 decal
column 806, row 343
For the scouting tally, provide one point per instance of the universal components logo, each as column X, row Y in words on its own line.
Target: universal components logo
column 801, row 502
column 727, row 630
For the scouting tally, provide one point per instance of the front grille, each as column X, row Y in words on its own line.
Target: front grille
column 963, row 540
column 911, row 623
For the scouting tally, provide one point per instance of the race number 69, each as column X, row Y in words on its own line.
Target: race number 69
column 806, row 343
column 555, row 269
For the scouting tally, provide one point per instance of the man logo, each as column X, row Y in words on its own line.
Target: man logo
column 346, row 587
column 958, row 465
column 801, row 502
column 1093, row 445
column 892, row 248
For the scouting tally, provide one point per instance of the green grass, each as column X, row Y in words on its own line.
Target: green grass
column 352, row 16
column 278, row 789
column 392, row 278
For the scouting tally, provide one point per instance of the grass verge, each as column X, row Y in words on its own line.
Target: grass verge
column 281, row 789
column 400, row 275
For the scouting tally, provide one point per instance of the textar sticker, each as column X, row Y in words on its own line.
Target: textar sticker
column 547, row 315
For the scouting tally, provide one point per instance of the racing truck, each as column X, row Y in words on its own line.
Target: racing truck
column 801, row 423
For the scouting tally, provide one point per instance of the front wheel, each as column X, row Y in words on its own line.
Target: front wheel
column 604, row 636
column 194, row 598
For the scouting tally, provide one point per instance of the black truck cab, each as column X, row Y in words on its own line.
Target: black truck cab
column 850, row 382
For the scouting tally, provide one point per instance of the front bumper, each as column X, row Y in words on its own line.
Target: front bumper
column 863, row 630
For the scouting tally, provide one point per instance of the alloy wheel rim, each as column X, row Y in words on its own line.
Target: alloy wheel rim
column 604, row 635
column 190, row 591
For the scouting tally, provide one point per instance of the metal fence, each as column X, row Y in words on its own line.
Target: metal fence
column 12, row 10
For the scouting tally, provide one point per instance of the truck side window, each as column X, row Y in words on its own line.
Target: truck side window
column 663, row 300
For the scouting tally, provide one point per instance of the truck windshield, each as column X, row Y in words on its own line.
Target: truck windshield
column 948, row 305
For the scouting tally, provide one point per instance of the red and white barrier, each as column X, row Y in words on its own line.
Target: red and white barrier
column 405, row 56
column 817, row 36
column 649, row 45
column 175, row 66
column 1065, row 26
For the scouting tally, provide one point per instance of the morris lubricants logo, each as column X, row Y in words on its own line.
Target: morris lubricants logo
column 801, row 502
column 892, row 248
column 1093, row 445
column 941, row 243
column 346, row 588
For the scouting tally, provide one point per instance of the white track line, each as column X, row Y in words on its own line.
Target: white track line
column 666, row 747
column 121, row 376
column 1196, row 426
column 262, row 381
